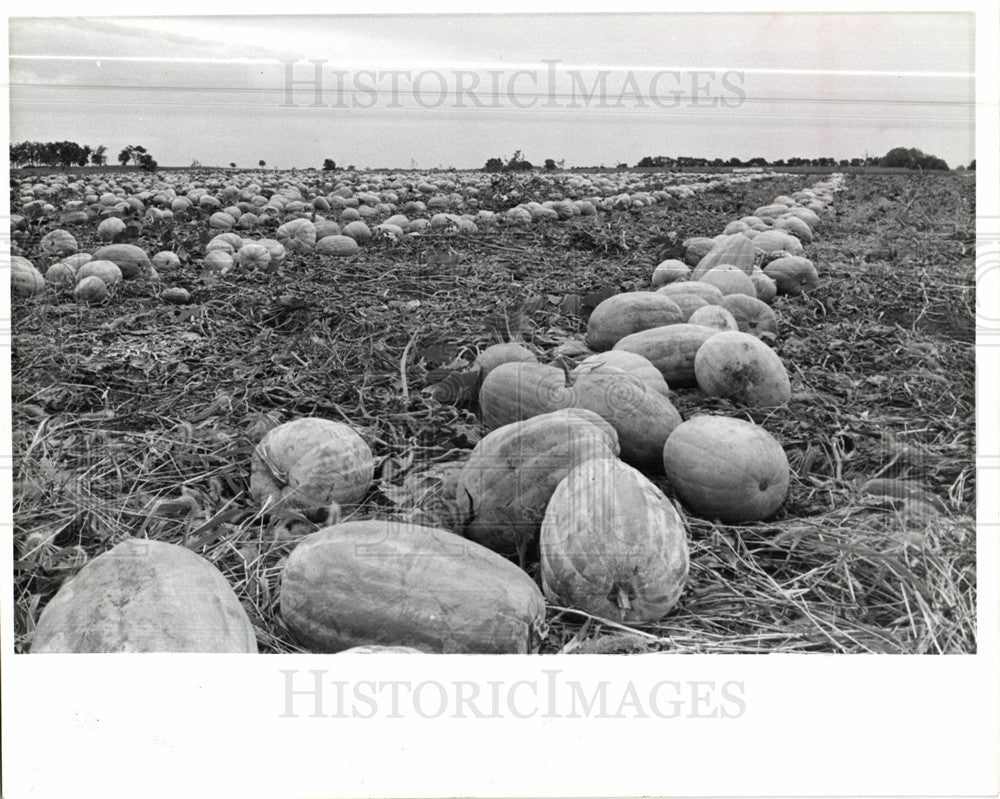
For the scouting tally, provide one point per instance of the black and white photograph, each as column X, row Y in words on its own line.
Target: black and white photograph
column 343, row 337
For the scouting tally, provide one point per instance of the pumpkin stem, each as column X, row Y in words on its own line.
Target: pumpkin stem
column 622, row 598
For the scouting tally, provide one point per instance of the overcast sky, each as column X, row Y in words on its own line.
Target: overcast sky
column 434, row 91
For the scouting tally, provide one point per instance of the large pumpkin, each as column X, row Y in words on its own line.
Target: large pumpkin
column 384, row 583
column 671, row 349
column 669, row 271
column 626, row 362
column 613, row 545
column 736, row 250
column 752, row 316
column 622, row 314
column 729, row 280
column 496, row 354
column 519, row 390
column 727, row 469
column 130, row 259
column 505, row 485
column 311, row 466
column 145, row 596
column 792, row 274
column 25, row 280
column 741, row 367
column 710, row 294
column 642, row 417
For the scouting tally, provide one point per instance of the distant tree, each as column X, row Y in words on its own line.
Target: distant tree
column 196, row 164
column 972, row 165
column 262, row 163
column 232, row 165
column 125, row 156
column 622, row 165
column 911, row 158
column 734, row 162
column 99, row 156
column 329, row 165
column 518, row 163
column 493, row 165
column 147, row 162
column 550, row 163
column 779, row 162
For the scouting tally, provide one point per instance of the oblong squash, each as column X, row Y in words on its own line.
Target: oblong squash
column 714, row 316
column 130, row 259
column 630, row 312
column 626, row 362
column 145, row 596
column 727, row 469
column 669, row 271
column 384, row 583
column 519, row 390
column 729, row 280
column 736, row 250
column 508, row 479
column 741, row 367
column 496, row 354
column 642, row 417
column 613, row 545
column 671, row 349
column 710, row 294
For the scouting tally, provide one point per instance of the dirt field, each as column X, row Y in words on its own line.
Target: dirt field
column 133, row 401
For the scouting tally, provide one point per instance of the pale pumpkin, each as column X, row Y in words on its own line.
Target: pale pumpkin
column 710, row 294
column 496, row 354
column 627, row 362
column 507, row 481
column 742, row 368
column 751, row 315
column 145, row 596
column 311, row 466
column 792, row 274
column 130, row 259
column 630, row 312
column 91, row 289
column 613, row 545
column 670, row 271
column 25, row 280
column 714, row 316
column 729, row 280
column 727, row 469
column 383, row 583
column 671, row 349
column 735, row 250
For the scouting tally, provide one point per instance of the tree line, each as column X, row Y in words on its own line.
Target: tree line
column 908, row 158
column 67, row 153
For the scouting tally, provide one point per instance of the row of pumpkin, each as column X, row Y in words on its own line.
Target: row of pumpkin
column 563, row 477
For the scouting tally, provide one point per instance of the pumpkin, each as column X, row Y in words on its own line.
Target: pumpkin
column 25, row 280
column 130, row 259
column 795, row 227
column 622, row 314
column 764, row 287
column 508, row 479
column 337, row 245
column 219, row 262
column 145, row 596
column 689, row 303
column 809, row 217
column 311, row 466
column 792, row 274
column 496, row 354
column 669, row 271
column 736, row 226
column 642, row 417
column 358, row 231
column 105, row 270
column 59, row 243
column 752, row 316
column 176, row 296
column 741, row 367
column 109, row 228
column 276, row 248
column 736, row 250
column 383, row 583
column 297, row 234
column 775, row 240
column 253, row 256
column 727, row 469
column 221, row 220
column 709, row 293
column 166, row 259
column 61, row 275
column 627, row 362
column 714, row 316
column 613, row 545
column 91, row 289
column 671, row 349
column 729, row 280
column 697, row 248
column 519, row 390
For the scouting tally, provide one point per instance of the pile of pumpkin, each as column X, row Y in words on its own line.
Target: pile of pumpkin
column 562, row 478
column 406, row 209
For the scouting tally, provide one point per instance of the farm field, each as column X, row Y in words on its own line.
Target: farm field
column 136, row 417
